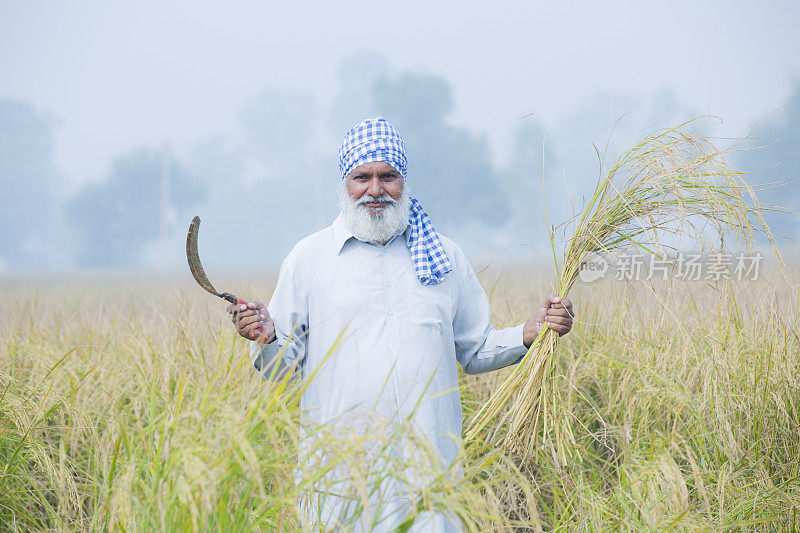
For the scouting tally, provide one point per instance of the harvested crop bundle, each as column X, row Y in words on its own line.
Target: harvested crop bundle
column 675, row 182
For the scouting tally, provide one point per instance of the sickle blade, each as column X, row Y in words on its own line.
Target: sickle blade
column 194, row 258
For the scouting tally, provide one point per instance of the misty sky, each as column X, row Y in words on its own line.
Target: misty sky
column 116, row 76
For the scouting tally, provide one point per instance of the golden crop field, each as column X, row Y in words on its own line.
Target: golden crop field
column 133, row 406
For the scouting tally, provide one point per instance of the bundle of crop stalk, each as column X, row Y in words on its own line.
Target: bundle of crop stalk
column 675, row 182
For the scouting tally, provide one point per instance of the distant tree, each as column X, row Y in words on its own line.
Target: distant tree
column 450, row 170
column 279, row 126
column 526, row 176
column 270, row 168
column 353, row 100
column 115, row 219
column 26, row 181
column 773, row 159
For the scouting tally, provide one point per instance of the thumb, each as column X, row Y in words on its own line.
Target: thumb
column 254, row 304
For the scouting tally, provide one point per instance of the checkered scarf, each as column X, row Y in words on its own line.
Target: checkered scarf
column 376, row 140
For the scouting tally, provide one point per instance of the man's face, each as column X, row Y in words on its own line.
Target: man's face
column 374, row 181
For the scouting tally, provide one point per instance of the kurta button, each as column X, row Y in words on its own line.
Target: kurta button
column 390, row 312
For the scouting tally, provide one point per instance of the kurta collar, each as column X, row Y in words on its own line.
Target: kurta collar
column 342, row 233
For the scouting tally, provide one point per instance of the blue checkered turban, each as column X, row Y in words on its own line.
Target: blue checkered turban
column 376, row 140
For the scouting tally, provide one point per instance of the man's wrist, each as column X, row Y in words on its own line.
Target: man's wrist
column 270, row 339
column 528, row 333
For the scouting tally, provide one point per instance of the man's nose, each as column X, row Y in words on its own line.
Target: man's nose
column 375, row 187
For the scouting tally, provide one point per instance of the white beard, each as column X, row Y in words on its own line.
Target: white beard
column 375, row 226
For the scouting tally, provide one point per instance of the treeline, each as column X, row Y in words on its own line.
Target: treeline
column 273, row 180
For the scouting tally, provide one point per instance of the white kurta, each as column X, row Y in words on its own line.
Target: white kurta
column 396, row 341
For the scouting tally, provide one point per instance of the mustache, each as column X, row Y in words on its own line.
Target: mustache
column 382, row 198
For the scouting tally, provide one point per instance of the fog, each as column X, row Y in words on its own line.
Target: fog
column 266, row 174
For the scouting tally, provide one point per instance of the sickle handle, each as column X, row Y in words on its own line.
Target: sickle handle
column 259, row 331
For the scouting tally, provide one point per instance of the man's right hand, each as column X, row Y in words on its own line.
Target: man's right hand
column 248, row 317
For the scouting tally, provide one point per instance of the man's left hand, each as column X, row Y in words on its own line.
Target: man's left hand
column 554, row 312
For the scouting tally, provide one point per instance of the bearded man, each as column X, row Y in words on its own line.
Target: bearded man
column 381, row 308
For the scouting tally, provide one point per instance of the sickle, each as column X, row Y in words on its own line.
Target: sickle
column 199, row 274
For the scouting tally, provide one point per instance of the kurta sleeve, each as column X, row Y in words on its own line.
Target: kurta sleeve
column 479, row 346
column 288, row 308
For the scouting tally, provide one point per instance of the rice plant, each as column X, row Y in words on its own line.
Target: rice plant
column 673, row 183
column 37, row 485
column 163, row 424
